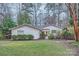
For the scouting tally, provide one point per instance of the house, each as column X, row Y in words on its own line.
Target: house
column 51, row 29
column 27, row 30
column 31, row 30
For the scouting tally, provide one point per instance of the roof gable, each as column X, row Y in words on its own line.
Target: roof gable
column 52, row 28
column 28, row 25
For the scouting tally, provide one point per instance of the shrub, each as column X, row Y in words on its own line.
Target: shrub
column 30, row 37
column 1, row 36
column 51, row 36
column 22, row 37
column 59, row 35
column 67, row 35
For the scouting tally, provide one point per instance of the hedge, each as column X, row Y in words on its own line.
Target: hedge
column 22, row 37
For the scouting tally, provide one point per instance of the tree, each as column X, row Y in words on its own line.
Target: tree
column 8, row 23
column 4, row 10
column 49, row 7
column 35, row 9
column 24, row 19
column 73, row 14
column 31, row 10
column 55, row 9
column 71, row 21
column 4, row 28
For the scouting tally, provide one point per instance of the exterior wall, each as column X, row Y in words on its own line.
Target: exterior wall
column 50, row 28
column 27, row 30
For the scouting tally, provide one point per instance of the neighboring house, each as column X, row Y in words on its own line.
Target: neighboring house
column 26, row 29
column 51, row 29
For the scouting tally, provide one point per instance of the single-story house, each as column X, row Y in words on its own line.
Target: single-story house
column 51, row 29
column 27, row 30
column 31, row 30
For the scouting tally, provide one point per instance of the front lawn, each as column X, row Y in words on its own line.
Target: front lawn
column 76, row 44
column 32, row 48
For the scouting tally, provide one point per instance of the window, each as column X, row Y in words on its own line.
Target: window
column 53, row 31
column 20, row 31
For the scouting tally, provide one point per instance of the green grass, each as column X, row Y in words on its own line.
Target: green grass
column 76, row 44
column 31, row 48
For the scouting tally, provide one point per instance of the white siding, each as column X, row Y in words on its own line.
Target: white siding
column 27, row 30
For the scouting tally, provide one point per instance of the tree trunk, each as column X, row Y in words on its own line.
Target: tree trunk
column 75, row 28
column 72, row 10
